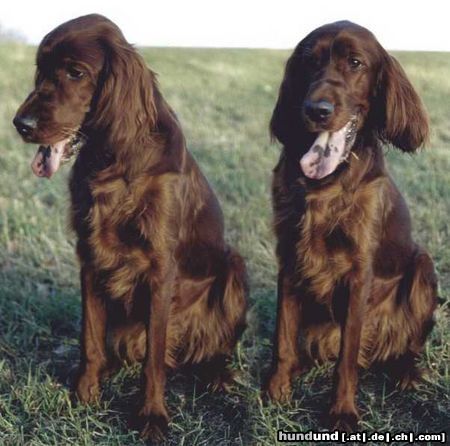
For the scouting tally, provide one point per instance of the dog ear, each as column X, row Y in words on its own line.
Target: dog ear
column 124, row 102
column 401, row 117
column 286, row 117
column 169, row 127
column 128, row 101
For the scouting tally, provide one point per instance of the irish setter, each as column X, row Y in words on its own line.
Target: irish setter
column 351, row 280
column 159, row 283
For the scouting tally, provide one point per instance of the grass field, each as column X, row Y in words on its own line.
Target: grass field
column 224, row 99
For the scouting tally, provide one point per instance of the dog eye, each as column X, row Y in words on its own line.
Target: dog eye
column 354, row 63
column 74, row 74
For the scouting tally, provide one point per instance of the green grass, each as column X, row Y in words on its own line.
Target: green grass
column 224, row 99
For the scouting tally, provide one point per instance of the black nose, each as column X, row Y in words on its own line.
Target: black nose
column 318, row 110
column 25, row 124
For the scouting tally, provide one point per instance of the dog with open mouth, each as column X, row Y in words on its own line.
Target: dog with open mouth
column 352, row 285
column 48, row 158
column 159, row 283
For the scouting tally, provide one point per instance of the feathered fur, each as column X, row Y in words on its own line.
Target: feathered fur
column 353, row 285
column 159, row 283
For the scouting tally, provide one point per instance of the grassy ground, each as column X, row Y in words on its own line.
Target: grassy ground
column 224, row 99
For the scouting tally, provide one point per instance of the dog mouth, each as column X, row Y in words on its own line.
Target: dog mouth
column 49, row 158
column 329, row 150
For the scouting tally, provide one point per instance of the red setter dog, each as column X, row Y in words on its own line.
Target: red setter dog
column 159, row 283
column 351, row 280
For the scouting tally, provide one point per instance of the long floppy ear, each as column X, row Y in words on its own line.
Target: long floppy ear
column 286, row 117
column 169, row 127
column 401, row 119
column 124, row 104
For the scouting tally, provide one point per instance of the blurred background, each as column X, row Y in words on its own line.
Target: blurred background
column 399, row 25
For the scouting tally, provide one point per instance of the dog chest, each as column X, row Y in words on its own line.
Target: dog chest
column 118, row 223
column 336, row 232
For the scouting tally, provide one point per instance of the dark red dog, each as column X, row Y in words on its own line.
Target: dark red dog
column 351, row 279
column 159, row 283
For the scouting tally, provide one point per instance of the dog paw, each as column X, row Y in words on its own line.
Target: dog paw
column 152, row 424
column 412, row 379
column 344, row 420
column 279, row 388
column 222, row 382
column 87, row 389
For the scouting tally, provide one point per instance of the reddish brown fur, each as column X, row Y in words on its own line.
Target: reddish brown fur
column 159, row 283
column 351, row 279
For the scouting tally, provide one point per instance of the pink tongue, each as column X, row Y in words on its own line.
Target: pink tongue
column 48, row 158
column 325, row 154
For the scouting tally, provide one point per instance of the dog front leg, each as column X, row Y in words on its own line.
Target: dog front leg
column 343, row 412
column 153, row 416
column 285, row 361
column 93, row 340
